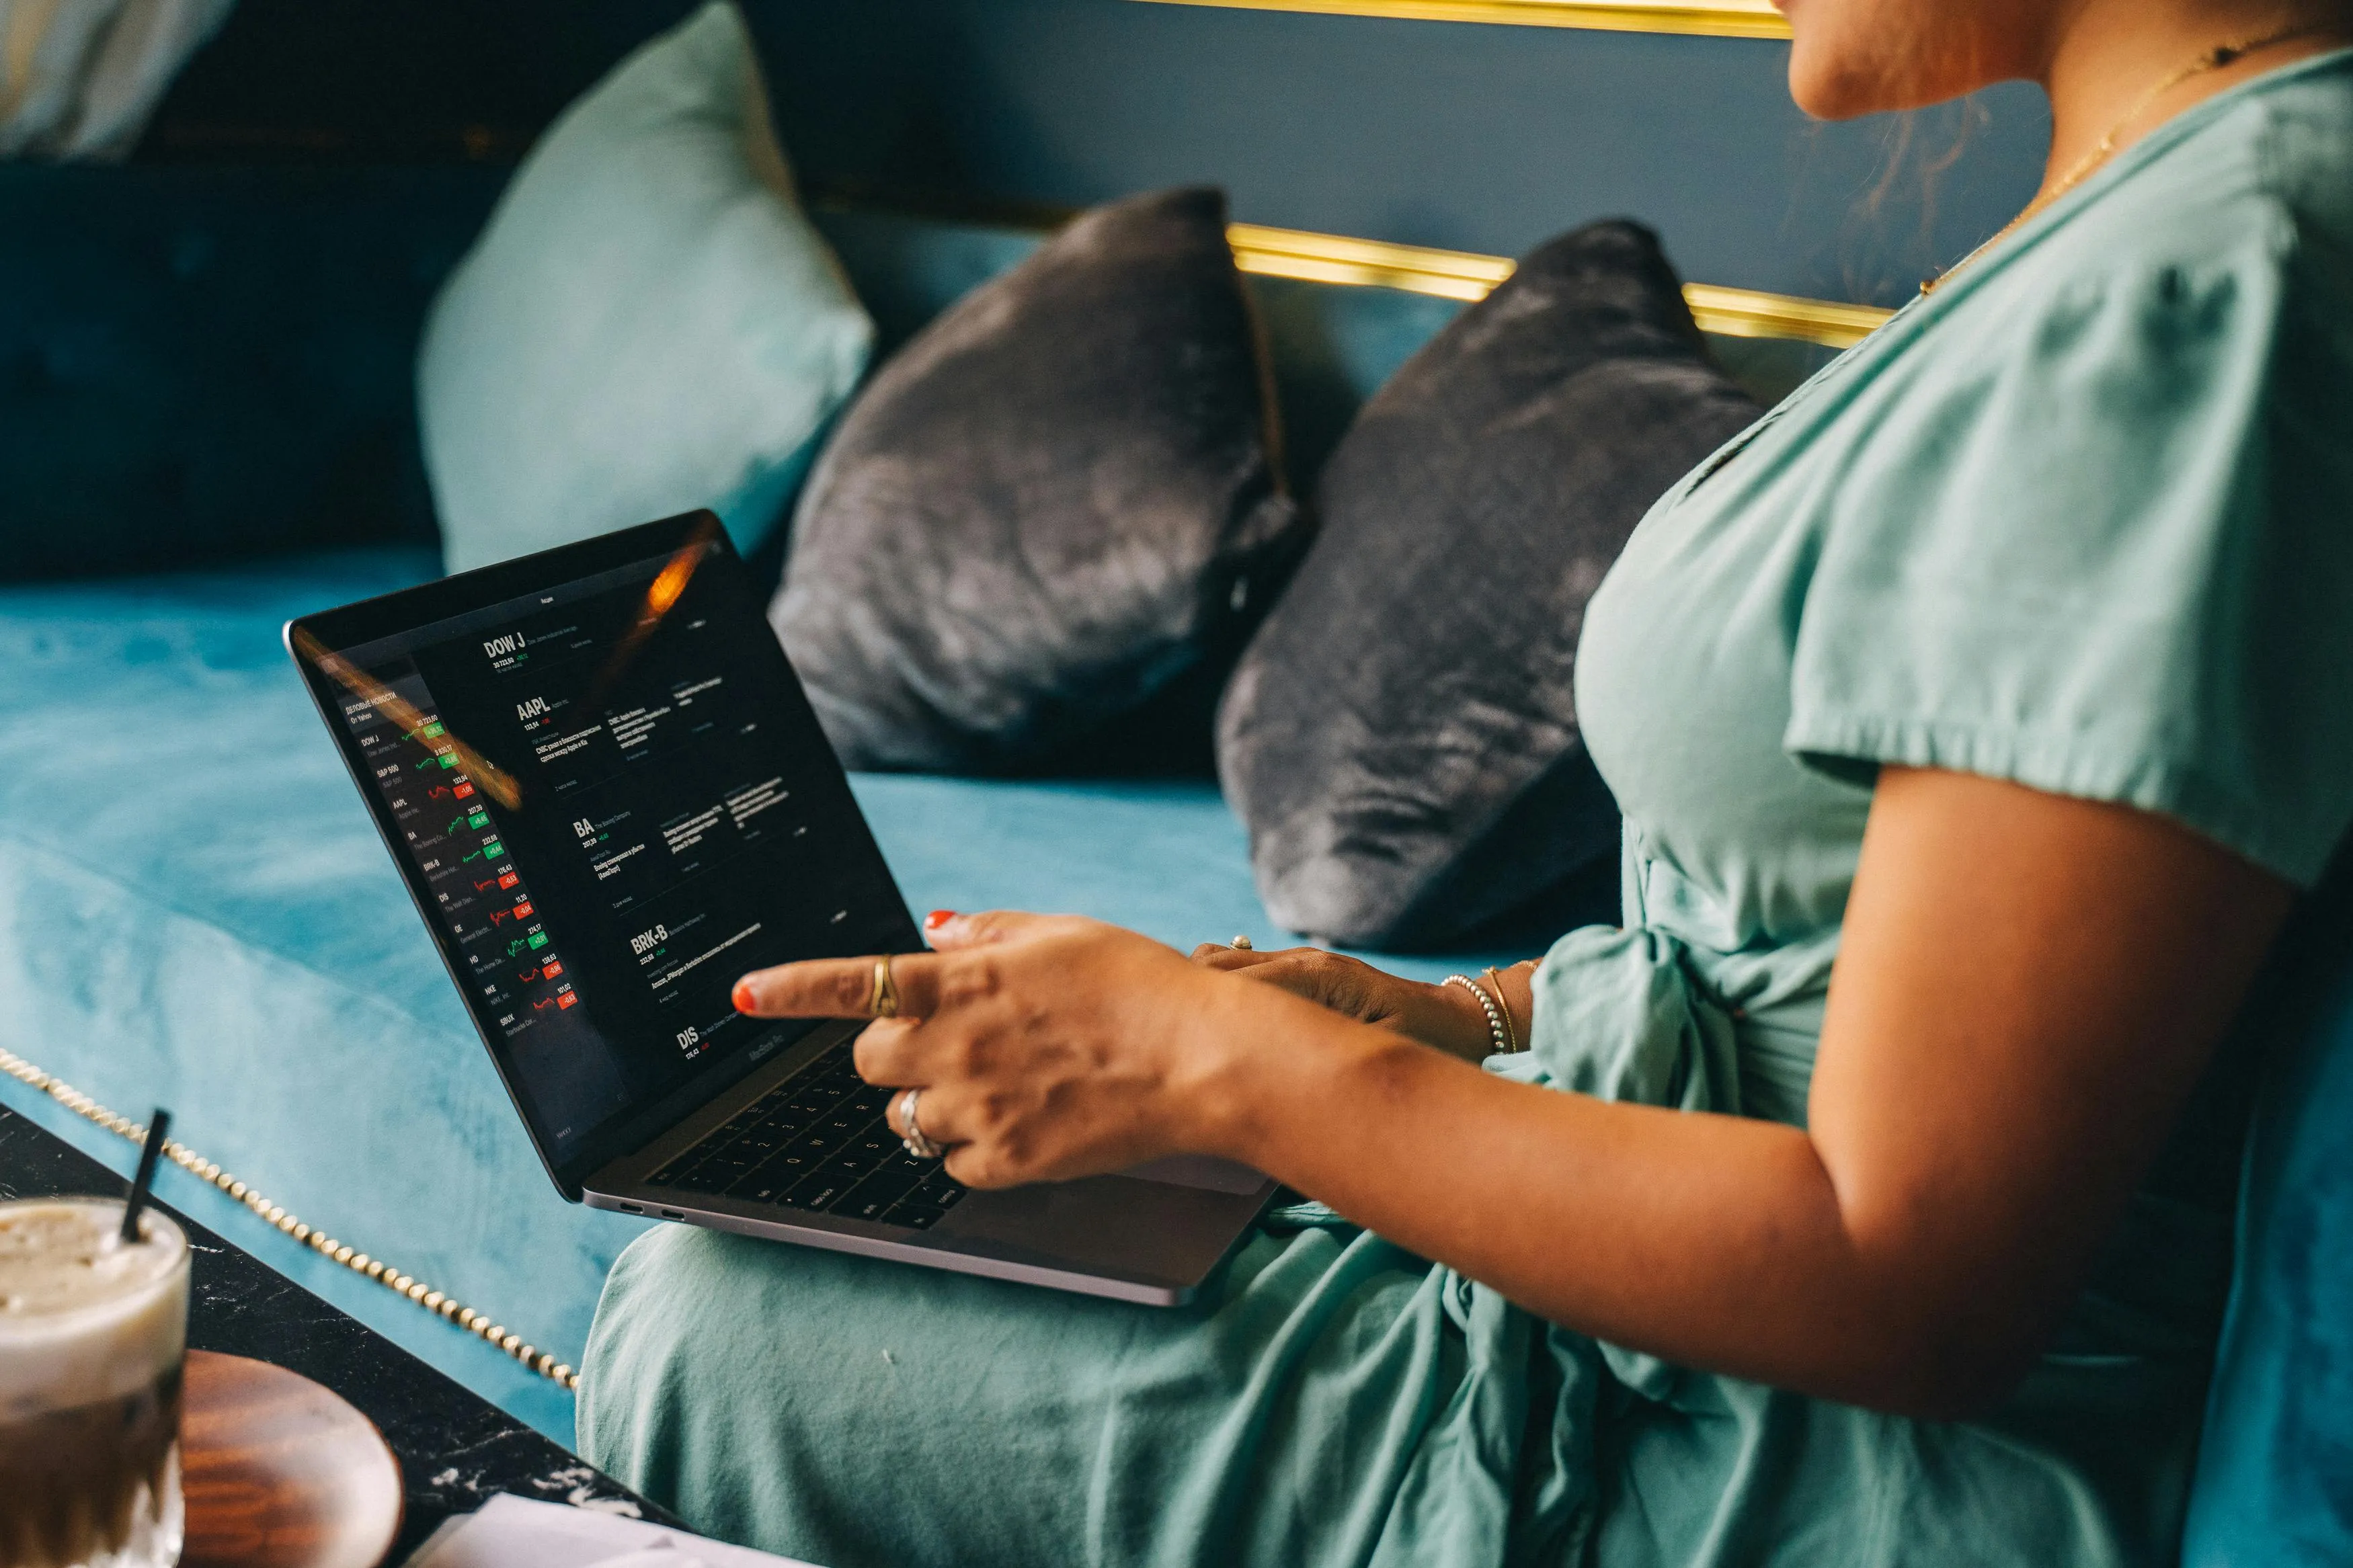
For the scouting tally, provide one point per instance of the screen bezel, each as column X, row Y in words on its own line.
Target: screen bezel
column 412, row 609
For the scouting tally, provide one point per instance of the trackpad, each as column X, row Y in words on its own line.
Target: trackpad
column 1203, row 1170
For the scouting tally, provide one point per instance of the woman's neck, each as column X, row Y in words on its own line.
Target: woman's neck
column 2103, row 57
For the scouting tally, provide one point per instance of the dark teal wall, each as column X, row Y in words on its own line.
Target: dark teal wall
column 1474, row 137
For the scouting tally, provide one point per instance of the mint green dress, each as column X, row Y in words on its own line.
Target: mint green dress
column 2082, row 519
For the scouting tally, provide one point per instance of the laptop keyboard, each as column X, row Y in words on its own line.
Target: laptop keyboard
column 817, row 1142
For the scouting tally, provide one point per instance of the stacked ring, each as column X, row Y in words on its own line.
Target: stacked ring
column 912, row 1131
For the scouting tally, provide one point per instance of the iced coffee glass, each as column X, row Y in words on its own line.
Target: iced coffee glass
column 92, row 1332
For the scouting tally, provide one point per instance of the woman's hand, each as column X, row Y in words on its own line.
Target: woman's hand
column 1046, row 1047
column 1446, row 1016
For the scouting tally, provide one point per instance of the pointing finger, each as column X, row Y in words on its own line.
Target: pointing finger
column 842, row 987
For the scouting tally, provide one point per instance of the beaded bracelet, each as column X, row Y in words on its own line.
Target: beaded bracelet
column 1495, row 983
column 1499, row 1028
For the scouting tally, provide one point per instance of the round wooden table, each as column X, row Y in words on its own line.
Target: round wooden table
column 278, row 1472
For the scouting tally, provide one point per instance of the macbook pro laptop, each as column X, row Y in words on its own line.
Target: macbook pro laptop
column 609, row 798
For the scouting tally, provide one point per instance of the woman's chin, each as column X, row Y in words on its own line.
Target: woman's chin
column 1829, row 82
column 1852, row 58
column 1831, row 94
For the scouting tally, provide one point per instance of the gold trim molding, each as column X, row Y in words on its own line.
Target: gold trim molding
column 1711, row 18
column 1416, row 269
column 1337, row 258
column 1464, row 275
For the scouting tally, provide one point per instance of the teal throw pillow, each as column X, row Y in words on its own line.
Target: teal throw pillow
column 649, row 324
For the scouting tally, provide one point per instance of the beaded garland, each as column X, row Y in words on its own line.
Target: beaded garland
column 437, row 1302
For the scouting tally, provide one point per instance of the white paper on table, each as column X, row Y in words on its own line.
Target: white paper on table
column 519, row 1533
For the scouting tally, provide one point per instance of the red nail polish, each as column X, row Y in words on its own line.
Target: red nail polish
column 937, row 918
column 743, row 997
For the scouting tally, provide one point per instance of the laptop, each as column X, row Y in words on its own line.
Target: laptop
column 609, row 797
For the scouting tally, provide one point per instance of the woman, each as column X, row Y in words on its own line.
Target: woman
column 1976, row 718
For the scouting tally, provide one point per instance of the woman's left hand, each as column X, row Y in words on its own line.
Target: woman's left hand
column 1045, row 1046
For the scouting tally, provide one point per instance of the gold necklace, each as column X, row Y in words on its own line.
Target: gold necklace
column 2213, row 59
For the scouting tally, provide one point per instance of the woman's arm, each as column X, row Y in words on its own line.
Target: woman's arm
column 1446, row 1016
column 2028, row 987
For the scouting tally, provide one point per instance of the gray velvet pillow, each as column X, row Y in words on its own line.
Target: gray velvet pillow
column 1057, row 501
column 1400, row 735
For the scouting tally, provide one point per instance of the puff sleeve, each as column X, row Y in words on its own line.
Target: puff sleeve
column 2111, row 559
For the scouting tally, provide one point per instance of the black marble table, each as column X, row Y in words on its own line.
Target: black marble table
column 456, row 1449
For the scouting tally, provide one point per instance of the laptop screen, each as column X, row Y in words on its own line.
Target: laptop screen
column 612, row 799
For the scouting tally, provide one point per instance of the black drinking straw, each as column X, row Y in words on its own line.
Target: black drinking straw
column 157, row 1126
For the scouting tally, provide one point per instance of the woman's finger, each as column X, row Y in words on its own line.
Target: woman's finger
column 942, row 1113
column 1284, row 967
column 840, row 987
column 946, row 930
column 934, row 1113
column 893, row 1114
column 971, row 1161
column 971, row 1168
column 1325, row 978
column 1218, row 955
column 885, row 1053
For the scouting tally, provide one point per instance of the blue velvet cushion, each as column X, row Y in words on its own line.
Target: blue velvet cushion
column 1053, row 515
column 2275, row 1470
column 1401, row 735
column 648, row 325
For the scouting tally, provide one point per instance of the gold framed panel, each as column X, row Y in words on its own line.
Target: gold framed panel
column 1465, row 274
column 1711, row 19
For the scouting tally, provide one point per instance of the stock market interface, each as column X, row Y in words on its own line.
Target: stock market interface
column 617, row 801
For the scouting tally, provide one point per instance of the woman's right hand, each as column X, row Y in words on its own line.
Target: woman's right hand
column 1446, row 1016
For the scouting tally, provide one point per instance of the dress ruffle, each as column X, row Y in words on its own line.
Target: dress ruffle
column 1619, row 1016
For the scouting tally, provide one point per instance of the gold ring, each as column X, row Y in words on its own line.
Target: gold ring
column 885, row 1003
column 1242, row 943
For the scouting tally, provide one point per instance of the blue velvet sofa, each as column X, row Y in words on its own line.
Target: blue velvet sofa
column 209, row 372
column 205, row 370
